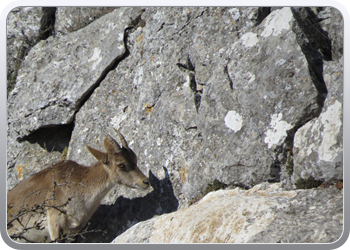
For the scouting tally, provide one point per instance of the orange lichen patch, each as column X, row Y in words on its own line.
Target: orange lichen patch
column 325, row 184
column 139, row 39
column 103, row 110
column 148, row 108
column 183, row 172
column 20, row 171
column 339, row 184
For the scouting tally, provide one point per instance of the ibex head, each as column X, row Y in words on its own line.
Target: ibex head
column 121, row 163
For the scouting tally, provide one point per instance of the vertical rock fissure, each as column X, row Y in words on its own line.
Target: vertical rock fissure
column 112, row 66
column 47, row 23
column 316, row 47
column 190, row 70
column 263, row 12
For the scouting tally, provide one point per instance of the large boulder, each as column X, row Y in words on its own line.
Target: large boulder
column 264, row 214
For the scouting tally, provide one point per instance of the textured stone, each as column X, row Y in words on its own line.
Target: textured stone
column 176, row 111
column 70, row 19
column 65, row 69
column 264, row 213
column 205, row 93
column 23, row 25
column 318, row 145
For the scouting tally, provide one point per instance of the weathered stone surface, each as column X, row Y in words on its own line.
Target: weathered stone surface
column 206, row 93
column 331, row 21
column 70, row 19
column 178, row 113
column 265, row 213
column 67, row 63
column 23, row 25
column 318, row 145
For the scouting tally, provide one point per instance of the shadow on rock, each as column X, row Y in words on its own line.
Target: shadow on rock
column 124, row 213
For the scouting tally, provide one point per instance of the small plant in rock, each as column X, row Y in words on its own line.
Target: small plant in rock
column 64, row 154
column 216, row 185
column 308, row 183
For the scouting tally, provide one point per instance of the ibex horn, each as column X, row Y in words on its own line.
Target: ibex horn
column 122, row 139
column 115, row 144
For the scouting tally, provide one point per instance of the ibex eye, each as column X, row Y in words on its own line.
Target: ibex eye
column 121, row 165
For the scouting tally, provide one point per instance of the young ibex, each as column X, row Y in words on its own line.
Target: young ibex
column 62, row 198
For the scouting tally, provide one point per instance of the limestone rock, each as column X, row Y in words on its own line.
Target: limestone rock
column 318, row 145
column 263, row 214
column 64, row 70
column 70, row 19
column 178, row 113
column 227, row 94
column 23, row 25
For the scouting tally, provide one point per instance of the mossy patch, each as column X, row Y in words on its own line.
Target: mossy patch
column 213, row 187
column 308, row 183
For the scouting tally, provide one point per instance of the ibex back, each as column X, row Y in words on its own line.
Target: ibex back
column 62, row 198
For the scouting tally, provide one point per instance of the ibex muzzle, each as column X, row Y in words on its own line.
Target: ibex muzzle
column 62, row 198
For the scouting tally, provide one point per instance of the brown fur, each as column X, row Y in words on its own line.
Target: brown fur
column 68, row 193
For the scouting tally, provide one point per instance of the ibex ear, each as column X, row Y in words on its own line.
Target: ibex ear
column 100, row 156
column 111, row 145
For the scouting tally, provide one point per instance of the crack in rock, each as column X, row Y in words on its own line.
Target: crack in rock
column 45, row 135
column 189, row 69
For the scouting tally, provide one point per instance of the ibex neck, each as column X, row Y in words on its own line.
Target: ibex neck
column 99, row 181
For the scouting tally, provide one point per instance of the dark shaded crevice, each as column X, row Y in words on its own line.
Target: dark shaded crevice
column 190, row 70
column 316, row 47
column 47, row 23
column 228, row 77
column 263, row 12
column 187, row 65
column 314, row 43
column 282, row 168
column 317, row 38
column 283, row 165
column 51, row 138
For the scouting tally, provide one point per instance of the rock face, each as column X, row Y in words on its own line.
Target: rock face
column 23, row 25
column 243, row 96
column 72, row 19
column 265, row 213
